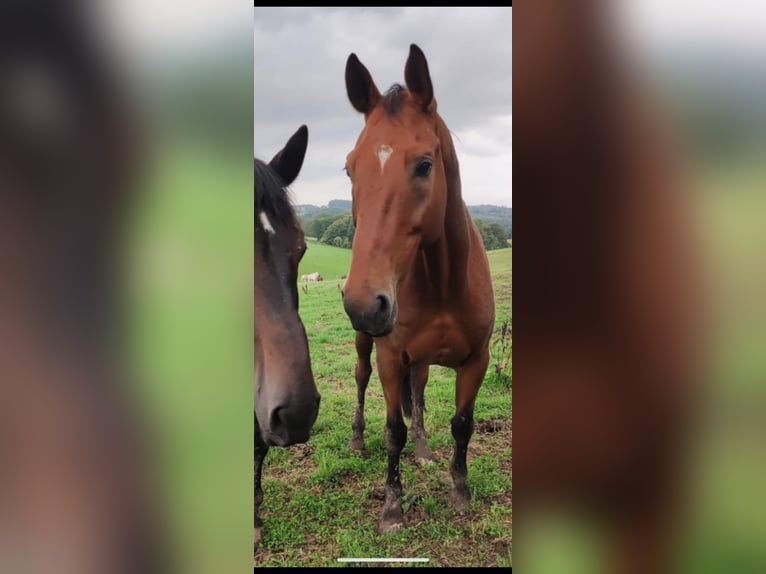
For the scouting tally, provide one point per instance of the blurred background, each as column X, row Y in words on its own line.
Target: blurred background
column 125, row 251
column 190, row 332
column 183, row 72
column 705, row 63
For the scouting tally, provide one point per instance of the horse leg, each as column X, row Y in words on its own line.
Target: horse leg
column 391, row 373
column 647, row 530
column 469, row 378
column 363, row 371
column 418, row 380
column 259, row 453
column 643, row 541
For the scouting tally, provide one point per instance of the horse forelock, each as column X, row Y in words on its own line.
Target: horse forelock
column 392, row 99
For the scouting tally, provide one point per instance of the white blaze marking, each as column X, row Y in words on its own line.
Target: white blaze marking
column 384, row 152
column 266, row 223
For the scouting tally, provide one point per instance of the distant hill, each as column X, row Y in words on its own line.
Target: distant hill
column 340, row 204
column 487, row 213
column 494, row 214
column 307, row 212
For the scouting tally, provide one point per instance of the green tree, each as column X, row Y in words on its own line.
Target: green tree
column 500, row 234
column 492, row 234
column 341, row 229
column 318, row 224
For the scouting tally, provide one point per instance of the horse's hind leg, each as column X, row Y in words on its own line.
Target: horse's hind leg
column 418, row 380
column 259, row 453
column 362, row 372
column 469, row 379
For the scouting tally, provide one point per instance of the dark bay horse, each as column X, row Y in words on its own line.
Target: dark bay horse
column 419, row 283
column 286, row 397
column 608, row 326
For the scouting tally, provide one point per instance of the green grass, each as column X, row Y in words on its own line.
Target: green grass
column 322, row 502
column 332, row 263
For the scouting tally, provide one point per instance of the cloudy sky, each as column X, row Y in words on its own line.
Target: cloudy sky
column 735, row 28
column 300, row 57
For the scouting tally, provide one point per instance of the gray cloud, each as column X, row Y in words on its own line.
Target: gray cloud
column 300, row 56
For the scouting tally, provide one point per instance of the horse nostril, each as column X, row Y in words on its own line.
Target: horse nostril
column 384, row 304
column 276, row 420
column 342, row 293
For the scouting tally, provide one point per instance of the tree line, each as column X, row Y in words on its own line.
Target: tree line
column 338, row 230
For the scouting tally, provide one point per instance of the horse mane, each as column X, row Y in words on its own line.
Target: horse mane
column 455, row 209
column 271, row 196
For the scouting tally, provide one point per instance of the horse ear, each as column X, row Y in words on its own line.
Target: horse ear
column 289, row 160
column 417, row 77
column 361, row 89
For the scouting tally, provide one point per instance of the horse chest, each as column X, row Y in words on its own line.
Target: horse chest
column 439, row 341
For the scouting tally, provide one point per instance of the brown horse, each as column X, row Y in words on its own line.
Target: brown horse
column 607, row 325
column 286, row 397
column 419, row 282
column 77, row 489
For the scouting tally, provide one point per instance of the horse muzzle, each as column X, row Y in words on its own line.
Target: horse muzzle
column 376, row 317
column 291, row 422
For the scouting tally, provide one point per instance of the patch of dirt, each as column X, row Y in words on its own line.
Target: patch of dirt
column 378, row 494
column 491, row 425
column 496, row 547
column 492, row 436
column 303, row 452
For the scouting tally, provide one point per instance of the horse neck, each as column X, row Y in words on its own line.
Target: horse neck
column 446, row 260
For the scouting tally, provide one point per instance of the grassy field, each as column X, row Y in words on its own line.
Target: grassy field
column 322, row 502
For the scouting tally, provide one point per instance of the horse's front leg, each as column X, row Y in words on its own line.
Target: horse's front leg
column 362, row 372
column 469, row 379
column 259, row 453
column 391, row 371
column 418, row 379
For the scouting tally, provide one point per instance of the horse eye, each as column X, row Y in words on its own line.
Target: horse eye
column 423, row 169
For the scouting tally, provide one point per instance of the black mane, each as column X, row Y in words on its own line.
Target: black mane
column 271, row 196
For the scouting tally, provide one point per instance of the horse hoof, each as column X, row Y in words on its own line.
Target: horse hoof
column 392, row 519
column 390, row 526
column 356, row 445
column 460, row 499
column 424, row 455
column 424, row 461
column 257, row 536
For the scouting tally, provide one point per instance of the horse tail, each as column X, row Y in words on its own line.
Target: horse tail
column 407, row 394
